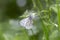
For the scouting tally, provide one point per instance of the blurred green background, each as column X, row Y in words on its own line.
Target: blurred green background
column 46, row 25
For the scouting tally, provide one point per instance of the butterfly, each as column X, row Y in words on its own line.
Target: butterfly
column 27, row 22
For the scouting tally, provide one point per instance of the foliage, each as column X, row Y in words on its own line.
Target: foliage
column 46, row 24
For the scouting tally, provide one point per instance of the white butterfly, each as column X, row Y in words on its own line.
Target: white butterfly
column 27, row 23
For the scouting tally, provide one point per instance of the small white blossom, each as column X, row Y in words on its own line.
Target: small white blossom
column 56, row 25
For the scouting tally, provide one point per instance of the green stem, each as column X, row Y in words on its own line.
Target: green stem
column 58, row 16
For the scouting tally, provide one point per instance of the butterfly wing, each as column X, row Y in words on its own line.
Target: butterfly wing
column 27, row 23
